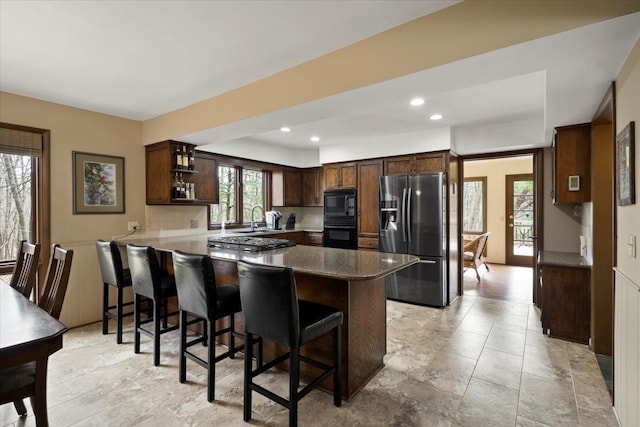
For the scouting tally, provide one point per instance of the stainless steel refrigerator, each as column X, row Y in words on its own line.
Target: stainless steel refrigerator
column 412, row 221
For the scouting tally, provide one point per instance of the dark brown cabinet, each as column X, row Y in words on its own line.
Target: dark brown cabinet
column 571, row 164
column 415, row 164
column 313, row 238
column 162, row 170
column 286, row 188
column 368, row 205
column 566, row 302
column 312, row 187
column 340, row 175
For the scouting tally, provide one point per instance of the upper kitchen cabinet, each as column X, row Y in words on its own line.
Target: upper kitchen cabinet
column 312, row 187
column 571, row 165
column 206, row 180
column 415, row 164
column 340, row 175
column 368, row 205
column 286, row 188
column 177, row 174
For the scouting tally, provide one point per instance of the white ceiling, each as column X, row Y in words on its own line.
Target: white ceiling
column 142, row 59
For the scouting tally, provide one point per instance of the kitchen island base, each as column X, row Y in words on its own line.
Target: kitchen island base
column 364, row 332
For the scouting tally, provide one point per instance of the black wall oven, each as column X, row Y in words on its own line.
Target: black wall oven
column 340, row 225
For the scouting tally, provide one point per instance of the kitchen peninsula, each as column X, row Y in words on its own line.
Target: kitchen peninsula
column 352, row 281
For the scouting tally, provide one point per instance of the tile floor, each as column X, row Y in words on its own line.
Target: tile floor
column 480, row 362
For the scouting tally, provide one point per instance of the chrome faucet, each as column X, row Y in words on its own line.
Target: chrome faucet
column 253, row 223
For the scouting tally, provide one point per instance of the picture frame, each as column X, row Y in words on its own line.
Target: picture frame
column 98, row 184
column 625, row 165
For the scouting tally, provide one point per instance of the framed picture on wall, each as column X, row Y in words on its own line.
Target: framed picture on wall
column 625, row 165
column 98, row 184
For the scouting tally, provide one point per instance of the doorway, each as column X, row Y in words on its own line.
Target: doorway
column 513, row 216
column 520, row 214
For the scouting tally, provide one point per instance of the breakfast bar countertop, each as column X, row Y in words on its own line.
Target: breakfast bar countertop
column 342, row 264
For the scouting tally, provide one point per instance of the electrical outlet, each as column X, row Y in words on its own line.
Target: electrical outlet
column 133, row 225
column 631, row 246
column 194, row 223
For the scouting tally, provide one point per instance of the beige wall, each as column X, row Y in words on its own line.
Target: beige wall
column 627, row 282
column 495, row 170
column 80, row 130
column 628, row 109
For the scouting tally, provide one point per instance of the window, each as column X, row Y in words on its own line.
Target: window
column 24, row 190
column 474, row 205
column 241, row 189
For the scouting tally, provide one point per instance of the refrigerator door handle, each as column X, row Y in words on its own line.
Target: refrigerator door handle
column 408, row 214
column 404, row 210
column 346, row 205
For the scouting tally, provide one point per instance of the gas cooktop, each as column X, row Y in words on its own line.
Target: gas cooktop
column 249, row 244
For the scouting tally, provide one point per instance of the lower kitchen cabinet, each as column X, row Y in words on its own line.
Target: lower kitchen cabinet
column 566, row 296
column 313, row 238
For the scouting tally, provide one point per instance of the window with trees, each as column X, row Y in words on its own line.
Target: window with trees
column 24, row 190
column 241, row 189
column 474, row 205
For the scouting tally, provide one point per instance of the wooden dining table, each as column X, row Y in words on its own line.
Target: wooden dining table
column 28, row 334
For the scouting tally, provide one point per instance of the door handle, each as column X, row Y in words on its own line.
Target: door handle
column 511, row 225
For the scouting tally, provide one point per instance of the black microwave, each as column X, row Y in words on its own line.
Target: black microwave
column 340, row 206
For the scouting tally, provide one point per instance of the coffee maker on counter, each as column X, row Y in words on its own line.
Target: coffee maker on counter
column 273, row 220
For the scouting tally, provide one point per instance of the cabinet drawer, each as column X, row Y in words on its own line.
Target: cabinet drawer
column 313, row 238
column 368, row 242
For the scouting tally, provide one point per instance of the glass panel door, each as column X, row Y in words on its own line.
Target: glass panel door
column 520, row 219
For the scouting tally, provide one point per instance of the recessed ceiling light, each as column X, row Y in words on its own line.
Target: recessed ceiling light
column 416, row 102
column 285, row 129
column 436, row 116
column 315, row 138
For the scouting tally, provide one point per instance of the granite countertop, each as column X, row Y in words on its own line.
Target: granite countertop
column 563, row 259
column 342, row 264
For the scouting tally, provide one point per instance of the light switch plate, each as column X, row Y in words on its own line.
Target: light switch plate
column 631, row 246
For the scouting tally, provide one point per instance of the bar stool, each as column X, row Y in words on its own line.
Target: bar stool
column 199, row 296
column 271, row 310
column 113, row 274
column 154, row 283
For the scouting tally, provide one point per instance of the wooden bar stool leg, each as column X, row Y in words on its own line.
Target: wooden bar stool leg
column 183, row 347
column 337, row 375
column 248, row 376
column 136, row 324
column 211, row 368
column 294, row 382
column 157, row 309
column 232, row 341
column 119, row 318
column 105, row 308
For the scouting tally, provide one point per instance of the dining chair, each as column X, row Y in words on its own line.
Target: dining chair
column 152, row 282
column 271, row 310
column 30, row 379
column 113, row 275
column 199, row 296
column 473, row 255
column 24, row 271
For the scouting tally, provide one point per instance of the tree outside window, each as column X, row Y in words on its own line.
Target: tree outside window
column 15, row 203
column 252, row 192
column 474, row 205
column 240, row 190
